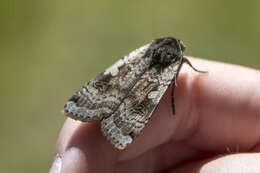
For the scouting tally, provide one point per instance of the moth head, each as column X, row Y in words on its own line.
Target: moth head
column 166, row 50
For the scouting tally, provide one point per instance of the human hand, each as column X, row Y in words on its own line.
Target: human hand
column 217, row 118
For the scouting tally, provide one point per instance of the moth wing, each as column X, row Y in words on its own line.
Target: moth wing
column 134, row 112
column 101, row 96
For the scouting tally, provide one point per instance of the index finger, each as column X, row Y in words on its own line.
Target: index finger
column 207, row 107
column 82, row 148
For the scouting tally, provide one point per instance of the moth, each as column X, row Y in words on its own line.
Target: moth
column 125, row 95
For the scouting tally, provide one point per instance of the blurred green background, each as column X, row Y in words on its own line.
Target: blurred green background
column 49, row 48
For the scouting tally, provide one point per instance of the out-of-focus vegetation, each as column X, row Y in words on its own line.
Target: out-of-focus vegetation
column 49, row 48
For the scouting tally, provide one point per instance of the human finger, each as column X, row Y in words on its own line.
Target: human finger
column 214, row 111
column 82, row 148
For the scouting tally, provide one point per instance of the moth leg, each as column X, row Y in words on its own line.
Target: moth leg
column 185, row 60
column 173, row 106
column 173, row 87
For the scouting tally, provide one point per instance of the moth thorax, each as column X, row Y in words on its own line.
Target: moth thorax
column 166, row 51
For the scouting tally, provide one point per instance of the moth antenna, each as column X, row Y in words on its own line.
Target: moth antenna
column 185, row 60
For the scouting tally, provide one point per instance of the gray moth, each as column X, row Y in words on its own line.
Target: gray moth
column 125, row 95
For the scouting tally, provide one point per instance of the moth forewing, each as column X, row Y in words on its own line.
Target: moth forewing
column 101, row 96
column 126, row 94
column 123, row 126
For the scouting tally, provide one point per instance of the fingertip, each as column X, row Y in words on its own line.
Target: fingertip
column 83, row 143
column 74, row 160
column 66, row 133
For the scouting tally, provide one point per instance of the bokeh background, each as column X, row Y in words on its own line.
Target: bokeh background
column 49, row 48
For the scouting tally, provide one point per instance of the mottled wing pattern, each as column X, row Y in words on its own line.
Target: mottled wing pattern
column 126, row 123
column 101, row 96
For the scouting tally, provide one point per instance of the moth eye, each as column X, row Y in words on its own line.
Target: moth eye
column 183, row 47
column 101, row 86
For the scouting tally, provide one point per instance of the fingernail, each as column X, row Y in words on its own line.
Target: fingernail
column 56, row 165
column 73, row 160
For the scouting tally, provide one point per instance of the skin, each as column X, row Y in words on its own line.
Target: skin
column 216, row 129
